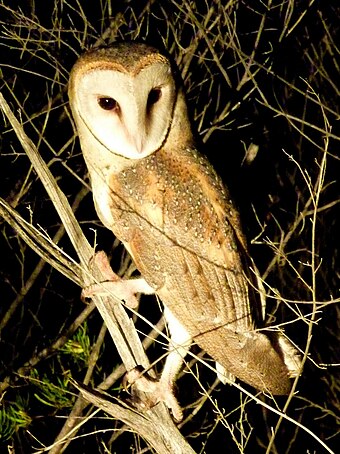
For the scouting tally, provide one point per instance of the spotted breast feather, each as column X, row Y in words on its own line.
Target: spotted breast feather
column 176, row 219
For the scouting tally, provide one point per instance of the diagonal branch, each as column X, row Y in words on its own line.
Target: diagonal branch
column 120, row 326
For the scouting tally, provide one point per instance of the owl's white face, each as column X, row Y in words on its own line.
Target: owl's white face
column 129, row 114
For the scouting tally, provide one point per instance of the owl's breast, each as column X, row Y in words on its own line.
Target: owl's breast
column 165, row 197
column 170, row 212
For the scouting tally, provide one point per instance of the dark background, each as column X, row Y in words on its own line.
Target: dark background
column 282, row 95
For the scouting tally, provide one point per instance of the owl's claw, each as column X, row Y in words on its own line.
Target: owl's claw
column 147, row 392
column 119, row 288
column 124, row 289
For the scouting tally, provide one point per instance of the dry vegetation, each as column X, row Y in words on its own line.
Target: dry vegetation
column 262, row 81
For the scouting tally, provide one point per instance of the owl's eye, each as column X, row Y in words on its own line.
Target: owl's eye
column 154, row 96
column 108, row 103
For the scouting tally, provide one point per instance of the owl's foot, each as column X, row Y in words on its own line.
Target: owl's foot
column 125, row 290
column 147, row 392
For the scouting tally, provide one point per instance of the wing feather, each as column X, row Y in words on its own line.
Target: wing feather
column 184, row 235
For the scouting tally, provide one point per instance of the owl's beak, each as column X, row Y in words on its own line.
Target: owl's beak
column 136, row 137
column 135, row 128
column 138, row 143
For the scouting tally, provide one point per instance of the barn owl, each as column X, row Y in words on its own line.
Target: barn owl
column 168, row 206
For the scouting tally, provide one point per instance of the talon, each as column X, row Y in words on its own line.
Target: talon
column 125, row 290
column 146, row 383
column 85, row 295
column 101, row 260
column 148, row 392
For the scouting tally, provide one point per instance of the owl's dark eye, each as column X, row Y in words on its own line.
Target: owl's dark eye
column 154, row 96
column 108, row 103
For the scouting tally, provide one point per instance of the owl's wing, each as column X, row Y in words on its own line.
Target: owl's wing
column 188, row 243
column 212, row 303
column 184, row 235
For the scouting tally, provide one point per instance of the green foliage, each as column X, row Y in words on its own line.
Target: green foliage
column 79, row 347
column 13, row 416
column 55, row 395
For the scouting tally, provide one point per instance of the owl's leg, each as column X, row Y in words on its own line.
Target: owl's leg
column 124, row 289
column 162, row 390
column 179, row 346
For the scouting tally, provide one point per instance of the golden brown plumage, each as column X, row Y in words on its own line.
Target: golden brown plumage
column 173, row 214
column 184, row 236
